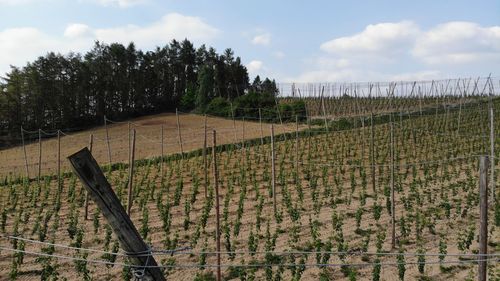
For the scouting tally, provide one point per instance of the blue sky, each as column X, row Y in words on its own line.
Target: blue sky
column 287, row 40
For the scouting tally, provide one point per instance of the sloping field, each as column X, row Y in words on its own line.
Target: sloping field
column 148, row 141
column 332, row 219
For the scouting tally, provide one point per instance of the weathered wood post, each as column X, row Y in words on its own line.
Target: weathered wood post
column 161, row 153
column 205, row 163
column 93, row 179
column 261, row 130
column 234, row 122
column 483, row 216
column 107, row 139
column 25, row 156
column 58, row 159
column 297, row 146
column 217, row 208
column 39, row 154
column 87, row 196
column 273, row 169
column 372, row 154
column 130, row 200
column 393, row 215
column 492, row 153
column 179, row 133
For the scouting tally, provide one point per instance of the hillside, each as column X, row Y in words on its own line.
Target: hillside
column 148, row 141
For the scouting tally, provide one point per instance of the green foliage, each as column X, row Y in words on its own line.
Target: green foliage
column 204, row 276
column 219, row 107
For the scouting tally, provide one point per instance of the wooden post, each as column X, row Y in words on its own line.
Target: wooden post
column 234, row 122
column 87, row 196
column 107, row 139
column 161, row 154
column 273, row 169
column 217, row 209
column 243, row 133
column 492, row 153
column 58, row 159
column 179, row 133
column 372, row 154
column 297, row 145
column 459, row 113
column 261, row 130
column 131, row 173
column 205, row 164
column 93, row 179
column 39, row 154
column 129, row 139
column 25, row 156
column 393, row 215
column 324, row 110
column 483, row 215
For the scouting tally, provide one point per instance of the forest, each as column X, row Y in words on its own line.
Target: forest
column 76, row 91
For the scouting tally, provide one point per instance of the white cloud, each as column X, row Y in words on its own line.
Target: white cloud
column 458, row 43
column 20, row 45
column 119, row 3
column 77, row 30
column 375, row 39
column 254, row 67
column 169, row 27
column 263, row 39
column 404, row 51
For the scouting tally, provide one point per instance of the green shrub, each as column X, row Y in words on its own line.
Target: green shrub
column 219, row 107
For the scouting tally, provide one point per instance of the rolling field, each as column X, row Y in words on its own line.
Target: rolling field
column 332, row 219
column 148, row 141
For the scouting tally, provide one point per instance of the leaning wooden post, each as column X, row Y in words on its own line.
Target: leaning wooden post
column 205, row 164
column 58, row 159
column 179, row 133
column 25, row 156
column 217, row 213
column 261, row 130
column 131, row 173
column 107, row 139
column 273, row 169
column 483, row 215
column 39, row 154
column 93, row 179
column 393, row 215
column 87, row 197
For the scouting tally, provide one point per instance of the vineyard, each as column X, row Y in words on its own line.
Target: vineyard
column 366, row 188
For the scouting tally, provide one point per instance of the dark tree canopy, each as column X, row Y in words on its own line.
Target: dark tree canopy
column 77, row 91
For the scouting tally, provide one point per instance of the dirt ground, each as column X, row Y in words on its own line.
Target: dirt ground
column 148, row 141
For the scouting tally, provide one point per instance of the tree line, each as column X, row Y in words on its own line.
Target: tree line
column 118, row 81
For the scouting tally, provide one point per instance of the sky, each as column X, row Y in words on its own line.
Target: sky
column 290, row 41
